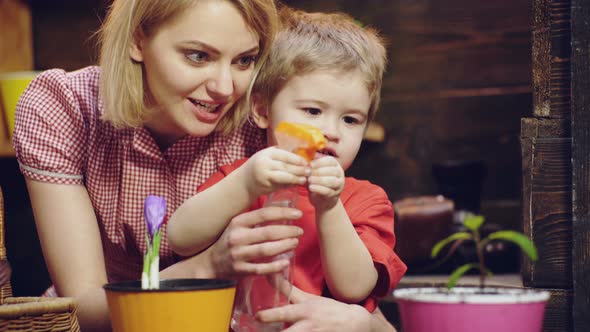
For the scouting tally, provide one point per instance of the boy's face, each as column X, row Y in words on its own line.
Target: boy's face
column 336, row 103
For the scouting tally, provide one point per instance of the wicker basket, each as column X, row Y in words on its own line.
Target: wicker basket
column 38, row 314
column 33, row 313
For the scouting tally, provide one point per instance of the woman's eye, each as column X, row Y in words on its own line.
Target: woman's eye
column 246, row 61
column 312, row 111
column 197, row 57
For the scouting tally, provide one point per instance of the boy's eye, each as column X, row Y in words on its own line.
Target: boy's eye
column 312, row 110
column 197, row 56
column 351, row 120
column 246, row 61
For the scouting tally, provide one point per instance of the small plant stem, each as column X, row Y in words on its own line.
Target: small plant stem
column 480, row 258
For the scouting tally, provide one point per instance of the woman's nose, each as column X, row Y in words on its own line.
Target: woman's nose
column 220, row 84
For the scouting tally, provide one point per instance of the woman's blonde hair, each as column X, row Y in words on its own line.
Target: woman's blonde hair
column 122, row 86
column 309, row 42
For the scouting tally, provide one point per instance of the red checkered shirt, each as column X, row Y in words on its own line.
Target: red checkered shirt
column 59, row 138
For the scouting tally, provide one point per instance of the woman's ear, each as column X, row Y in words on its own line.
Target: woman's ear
column 136, row 48
column 259, row 111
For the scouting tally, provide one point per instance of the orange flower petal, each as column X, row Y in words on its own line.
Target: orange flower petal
column 302, row 139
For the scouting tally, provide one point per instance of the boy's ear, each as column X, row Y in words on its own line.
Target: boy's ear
column 136, row 48
column 259, row 111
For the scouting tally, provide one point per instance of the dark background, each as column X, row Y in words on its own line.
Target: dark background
column 457, row 85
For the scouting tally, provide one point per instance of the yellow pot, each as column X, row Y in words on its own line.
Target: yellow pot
column 12, row 85
column 179, row 305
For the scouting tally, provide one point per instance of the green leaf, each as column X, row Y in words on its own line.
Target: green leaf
column 453, row 237
column 521, row 240
column 156, row 243
column 146, row 263
column 459, row 272
column 473, row 222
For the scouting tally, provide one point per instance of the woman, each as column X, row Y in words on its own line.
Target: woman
column 172, row 74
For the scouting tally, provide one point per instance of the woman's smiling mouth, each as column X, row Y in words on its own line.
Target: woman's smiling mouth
column 207, row 107
column 206, row 112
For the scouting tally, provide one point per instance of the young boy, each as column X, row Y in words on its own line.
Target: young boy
column 324, row 70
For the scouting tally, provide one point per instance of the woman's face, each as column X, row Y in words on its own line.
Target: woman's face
column 196, row 66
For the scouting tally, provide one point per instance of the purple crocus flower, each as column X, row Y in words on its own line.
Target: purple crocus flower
column 154, row 211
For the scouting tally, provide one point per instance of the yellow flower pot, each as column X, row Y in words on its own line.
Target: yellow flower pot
column 179, row 305
column 12, row 85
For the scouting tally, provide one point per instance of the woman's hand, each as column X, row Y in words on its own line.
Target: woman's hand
column 316, row 313
column 272, row 168
column 242, row 243
column 325, row 183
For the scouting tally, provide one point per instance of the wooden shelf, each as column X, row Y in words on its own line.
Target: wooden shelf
column 16, row 41
column 6, row 149
column 457, row 93
column 16, row 52
column 5, row 143
column 375, row 133
column 497, row 280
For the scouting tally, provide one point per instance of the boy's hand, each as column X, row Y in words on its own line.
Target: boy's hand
column 325, row 183
column 273, row 168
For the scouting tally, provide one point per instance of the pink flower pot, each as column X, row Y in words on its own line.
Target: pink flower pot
column 468, row 310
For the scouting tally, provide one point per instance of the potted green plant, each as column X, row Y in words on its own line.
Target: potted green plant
column 481, row 309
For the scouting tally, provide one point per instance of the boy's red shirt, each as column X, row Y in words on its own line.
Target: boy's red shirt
column 371, row 213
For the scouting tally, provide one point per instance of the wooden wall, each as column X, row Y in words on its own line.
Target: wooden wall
column 458, row 83
column 580, row 83
column 16, row 52
column 555, row 163
column 64, row 30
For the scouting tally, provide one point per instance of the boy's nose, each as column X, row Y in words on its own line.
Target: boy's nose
column 220, row 84
column 331, row 131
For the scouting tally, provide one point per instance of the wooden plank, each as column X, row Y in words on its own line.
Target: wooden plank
column 16, row 52
column 526, row 147
column 558, row 312
column 6, row 149
column 533, row 130
column 16, row 43
column 456, row 93
column 545, row 128
column 454, row 44
column 547, row 210
column 53, row 38
column 456, row 60
column 541, row 72
column 551, row 212
column 581, row 163
column 421, row 132
column 451, row 44
column 551, row 58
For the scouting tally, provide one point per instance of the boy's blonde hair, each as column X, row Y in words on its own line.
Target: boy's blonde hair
column 308, row 42
column 122, row 85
